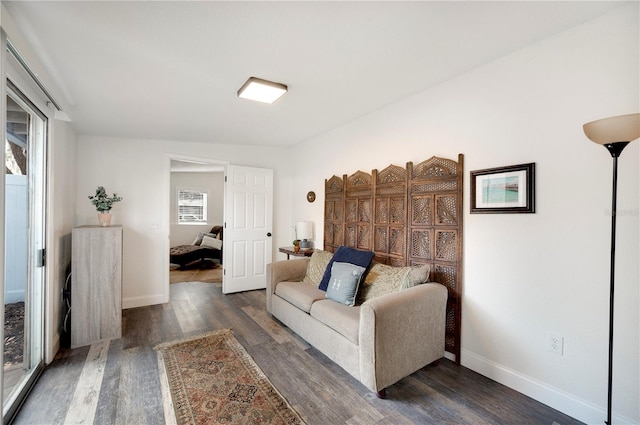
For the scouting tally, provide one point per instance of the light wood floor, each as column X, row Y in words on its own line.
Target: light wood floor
column 211, row 272
column 129, row 388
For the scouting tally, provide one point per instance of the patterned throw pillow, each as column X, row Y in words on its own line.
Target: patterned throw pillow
column 316, row 267
column 383, row 279
column 418, row 275
column 344, row 283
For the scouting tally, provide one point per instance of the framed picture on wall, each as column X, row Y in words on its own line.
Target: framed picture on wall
column 504, row 189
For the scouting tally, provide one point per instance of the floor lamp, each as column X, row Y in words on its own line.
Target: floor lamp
column 615, row 134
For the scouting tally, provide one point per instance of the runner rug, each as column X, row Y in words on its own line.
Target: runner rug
column 213, row 380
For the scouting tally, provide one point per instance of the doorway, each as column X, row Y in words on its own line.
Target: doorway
column 196, row 208
column 247, row 211
column 24, row 212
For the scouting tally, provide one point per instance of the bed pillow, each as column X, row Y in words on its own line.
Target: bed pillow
column 346, row 255
column 198, row 239
column 316, row 267
column 212, row 242
column 344, row 282
column 216, row 230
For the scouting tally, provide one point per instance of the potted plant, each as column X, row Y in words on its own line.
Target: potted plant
column 296, row 245
column 103, row 204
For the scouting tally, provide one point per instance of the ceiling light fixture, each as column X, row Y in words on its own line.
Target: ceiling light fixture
column 261, row 90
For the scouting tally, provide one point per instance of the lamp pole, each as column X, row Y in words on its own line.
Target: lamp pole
column 615, row 149
column 614, row 133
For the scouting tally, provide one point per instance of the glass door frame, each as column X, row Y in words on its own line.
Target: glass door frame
column 35, row 297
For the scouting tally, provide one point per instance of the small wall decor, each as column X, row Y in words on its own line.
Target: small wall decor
column 311, row 196
column 504, row 189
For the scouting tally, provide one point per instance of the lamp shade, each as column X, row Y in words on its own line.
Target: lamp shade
column 304, row 230
column 623, row 128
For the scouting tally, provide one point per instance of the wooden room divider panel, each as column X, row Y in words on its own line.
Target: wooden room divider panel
column 406, row 216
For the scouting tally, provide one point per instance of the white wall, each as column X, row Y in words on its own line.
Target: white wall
column 528, row 275
column 138, row 170
column 213, row 184
column 61, row 188
column 62, row 207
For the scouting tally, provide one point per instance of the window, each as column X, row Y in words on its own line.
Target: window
column 192, row 206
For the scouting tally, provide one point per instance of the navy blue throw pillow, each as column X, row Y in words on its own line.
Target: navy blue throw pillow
column 346, row 255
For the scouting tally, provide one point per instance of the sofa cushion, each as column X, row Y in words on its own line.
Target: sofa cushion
column 299, row 294
column 344, row 283
column 316, row 267
column 341, row 318
column 383, row 279
column 346, row 255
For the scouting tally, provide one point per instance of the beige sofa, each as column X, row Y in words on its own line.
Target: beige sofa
column 379, row 341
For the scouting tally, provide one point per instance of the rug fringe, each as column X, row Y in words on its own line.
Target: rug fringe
column 167, row 401
column 164, row 345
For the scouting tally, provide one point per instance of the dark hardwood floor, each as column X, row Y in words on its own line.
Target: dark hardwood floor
column 124, row 384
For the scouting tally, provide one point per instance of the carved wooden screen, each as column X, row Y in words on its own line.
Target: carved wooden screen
column 407, row 216
column 357, row 211
column 390, row 215
column 333, row 213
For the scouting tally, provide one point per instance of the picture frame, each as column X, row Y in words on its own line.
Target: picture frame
column 503, row 189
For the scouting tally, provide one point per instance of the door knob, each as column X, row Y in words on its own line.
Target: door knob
column 269, row 234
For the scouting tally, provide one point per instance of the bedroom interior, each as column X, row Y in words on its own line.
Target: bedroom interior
column 534, row 311
column 189, row 260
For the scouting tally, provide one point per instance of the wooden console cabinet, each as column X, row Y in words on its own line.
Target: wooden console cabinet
column 96, row 284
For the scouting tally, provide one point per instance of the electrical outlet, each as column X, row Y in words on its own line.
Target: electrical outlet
column 555, row 344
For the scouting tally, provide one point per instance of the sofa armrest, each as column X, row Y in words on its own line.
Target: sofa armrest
column 400, row 333
column 284, row 271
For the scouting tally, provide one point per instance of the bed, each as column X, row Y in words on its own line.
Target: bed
column 205, row 246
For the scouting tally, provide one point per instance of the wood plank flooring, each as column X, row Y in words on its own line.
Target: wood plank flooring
column 209, row 271
column 129, row 390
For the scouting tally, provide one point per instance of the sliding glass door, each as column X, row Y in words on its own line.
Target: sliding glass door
column 24, row 153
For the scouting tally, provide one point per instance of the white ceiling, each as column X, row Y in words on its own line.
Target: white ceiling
column 170, row 69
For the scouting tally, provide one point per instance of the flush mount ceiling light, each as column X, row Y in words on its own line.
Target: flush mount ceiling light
column 261, row 90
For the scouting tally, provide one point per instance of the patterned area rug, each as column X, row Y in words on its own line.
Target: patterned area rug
column 213, row 380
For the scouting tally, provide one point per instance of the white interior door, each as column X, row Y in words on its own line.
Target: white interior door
column 248, row 218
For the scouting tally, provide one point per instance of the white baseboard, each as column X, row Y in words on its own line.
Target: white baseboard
column 134, row 302
column 566, row 403
column 450, row 356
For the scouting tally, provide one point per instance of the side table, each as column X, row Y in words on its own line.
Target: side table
column 301, row 253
